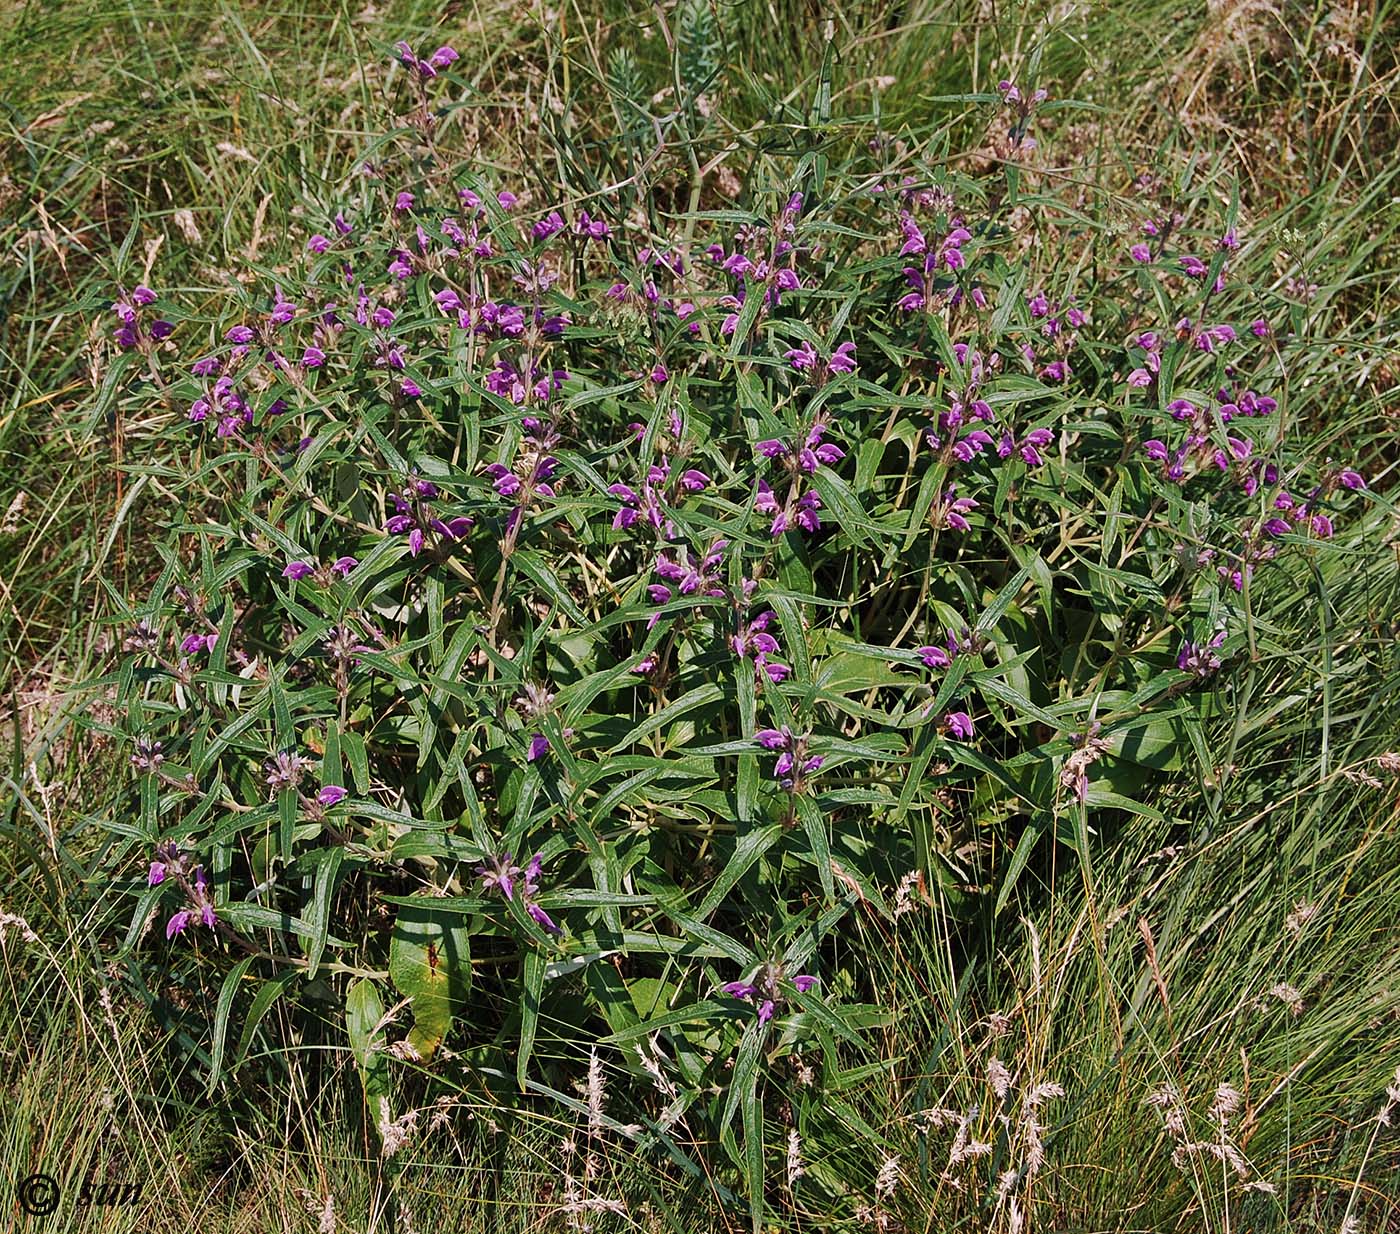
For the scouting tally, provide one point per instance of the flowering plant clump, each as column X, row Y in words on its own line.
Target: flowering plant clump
column 731, row 573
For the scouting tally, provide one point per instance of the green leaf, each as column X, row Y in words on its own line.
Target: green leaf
column 708, row 1009
column 449, row 668
column 1024, row 846
column 753, row 1152
column 530, row 563
column 355, row 755
column 319, row 917
column 749, row 849
column 531, row 992
column 814, row 825
column 1003, row 600
column 430, row 965
column 364, row 1010
column 268, row 994
column 228, row 992
column 698, row 697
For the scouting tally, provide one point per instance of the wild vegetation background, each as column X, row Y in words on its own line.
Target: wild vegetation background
column 1228, row 959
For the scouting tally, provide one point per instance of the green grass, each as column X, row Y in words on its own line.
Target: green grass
column 112, row 127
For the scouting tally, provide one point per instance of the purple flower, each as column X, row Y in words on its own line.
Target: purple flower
column 793, row 761
column 282, row 312
column 539, row 747
column 156, row 875
column 507, row 483
column 843, row 359
column 1200, row 661
column 550, row 225
column 298, row 570
column 318, row 243
column 1034, row 442
column 343, row 565
column 803, row 357
column 738, row 265
column 951, row 511
column 774, row 739
column 196, row 889
column 933, row 657
column 313, row 357
column 284, row 771
column 959, row 724
column 498, row 873
column 178, row 923
column 331, row 795
column 765, row 989
column 591, row 228
column 412, row 516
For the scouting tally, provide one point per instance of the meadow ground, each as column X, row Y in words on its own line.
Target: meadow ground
column 1212, row 986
